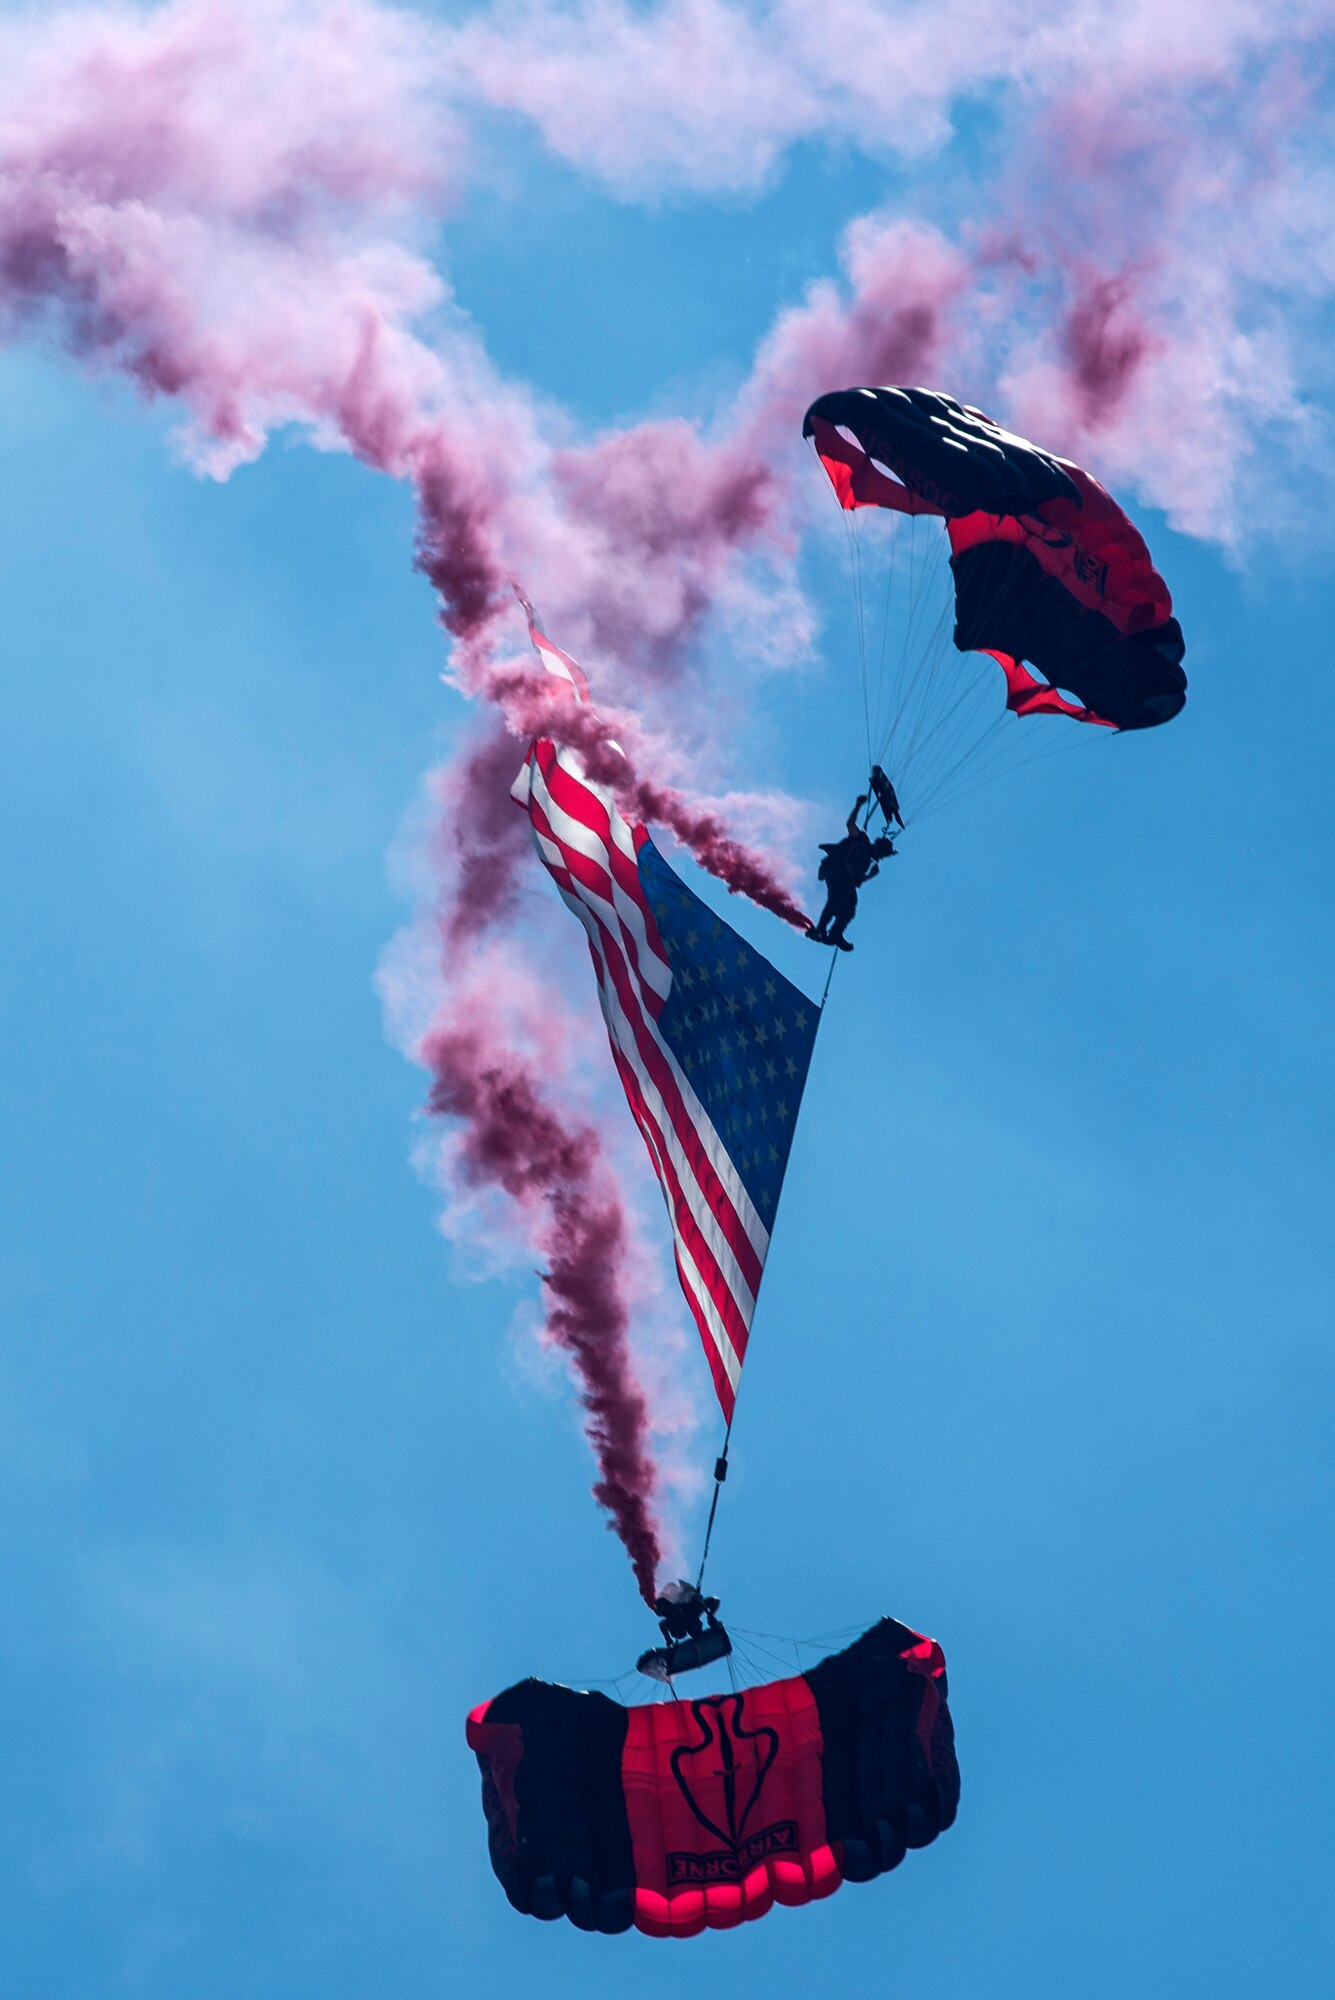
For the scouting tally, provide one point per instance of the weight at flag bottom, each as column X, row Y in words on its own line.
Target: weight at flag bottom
column 711, row 1042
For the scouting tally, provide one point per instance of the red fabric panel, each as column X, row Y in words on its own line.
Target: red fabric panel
column 709, row 1276
column 927, row 1659
column 1134, row 594
column 584, row 804
column 1093, row 551
column 855, row 479
column 725, row 1806
column 1027, row 695
column 502, row 1744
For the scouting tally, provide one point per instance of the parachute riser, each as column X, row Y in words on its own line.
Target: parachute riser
column 720, row 1474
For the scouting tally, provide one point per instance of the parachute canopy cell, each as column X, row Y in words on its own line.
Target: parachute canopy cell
column 691, row 1814
column 1047, row 568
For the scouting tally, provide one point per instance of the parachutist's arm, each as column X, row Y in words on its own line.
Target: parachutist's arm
column 852, row 821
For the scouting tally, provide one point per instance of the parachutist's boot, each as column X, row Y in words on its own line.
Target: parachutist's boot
column 844, row 944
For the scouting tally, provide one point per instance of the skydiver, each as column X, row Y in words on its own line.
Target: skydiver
column 847, row 865
column 681, row 1611
column 886, row 798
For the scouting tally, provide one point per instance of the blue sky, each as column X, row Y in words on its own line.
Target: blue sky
column 1042, row 1365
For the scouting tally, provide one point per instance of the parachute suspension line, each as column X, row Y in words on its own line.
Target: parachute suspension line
column 951, row 721
column 966, row 726
column 829, row 980
column 1004, row 760
column 906, row 653
column 896, row 528
column 1001, row 751
column 930, row 746
column 988, row 771
column 938, row 745
column 930, row 640
column 720, row 1474
column 855, row 557
column 721, row 1462
column 1011, row 597
column 994, row 595
column 850, row 522
column 922, row 645
column 918, row 714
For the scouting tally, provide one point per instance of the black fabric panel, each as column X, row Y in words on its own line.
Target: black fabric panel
column 881, row 1795
column 1006, row 600
column 955, row 457
column 572, row 1855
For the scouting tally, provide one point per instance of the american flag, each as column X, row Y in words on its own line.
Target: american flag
column 711, row 1042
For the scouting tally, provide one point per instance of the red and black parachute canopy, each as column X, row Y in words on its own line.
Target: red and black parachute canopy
column 693, row 1814
column 1046, row 566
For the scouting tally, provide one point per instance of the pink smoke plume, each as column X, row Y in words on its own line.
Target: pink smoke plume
column 182, row 184
column 226, row 204
column 553, row 1170
column 668, row 513
column 709, row 94
column 483, row 838
column 1105, row 342
column 1162, row 176
column 890, row 321
column 535, row 705
column 174, row 209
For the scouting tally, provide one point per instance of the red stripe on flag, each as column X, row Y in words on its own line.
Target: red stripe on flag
column 733, row 1311
column 661, row 1072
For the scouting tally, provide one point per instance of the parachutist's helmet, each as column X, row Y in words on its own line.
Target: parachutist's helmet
column 680, row 1592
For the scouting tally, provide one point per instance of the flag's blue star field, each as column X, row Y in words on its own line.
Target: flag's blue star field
column 742, row 1033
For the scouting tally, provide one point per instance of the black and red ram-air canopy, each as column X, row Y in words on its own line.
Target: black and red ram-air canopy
column 692, row 1814
column 1047, row 567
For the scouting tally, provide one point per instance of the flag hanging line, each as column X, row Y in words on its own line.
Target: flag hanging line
column 721, row 1462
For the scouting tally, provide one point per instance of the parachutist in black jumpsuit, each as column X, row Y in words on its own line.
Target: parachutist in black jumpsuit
column 681, row 1611
column 886, row 798
column 847, row 865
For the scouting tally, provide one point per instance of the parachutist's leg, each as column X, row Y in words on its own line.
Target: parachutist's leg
column 843, row 917
column 818, row 929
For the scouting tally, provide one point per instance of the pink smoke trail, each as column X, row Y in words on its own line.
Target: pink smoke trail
column 159, row 257
column 1162, row 175
column 222, row 202
column 175, row 209
column 534, row 706
column 1104, row 342
column 553, row 1170
column 482, row 838
column 495, row 1040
